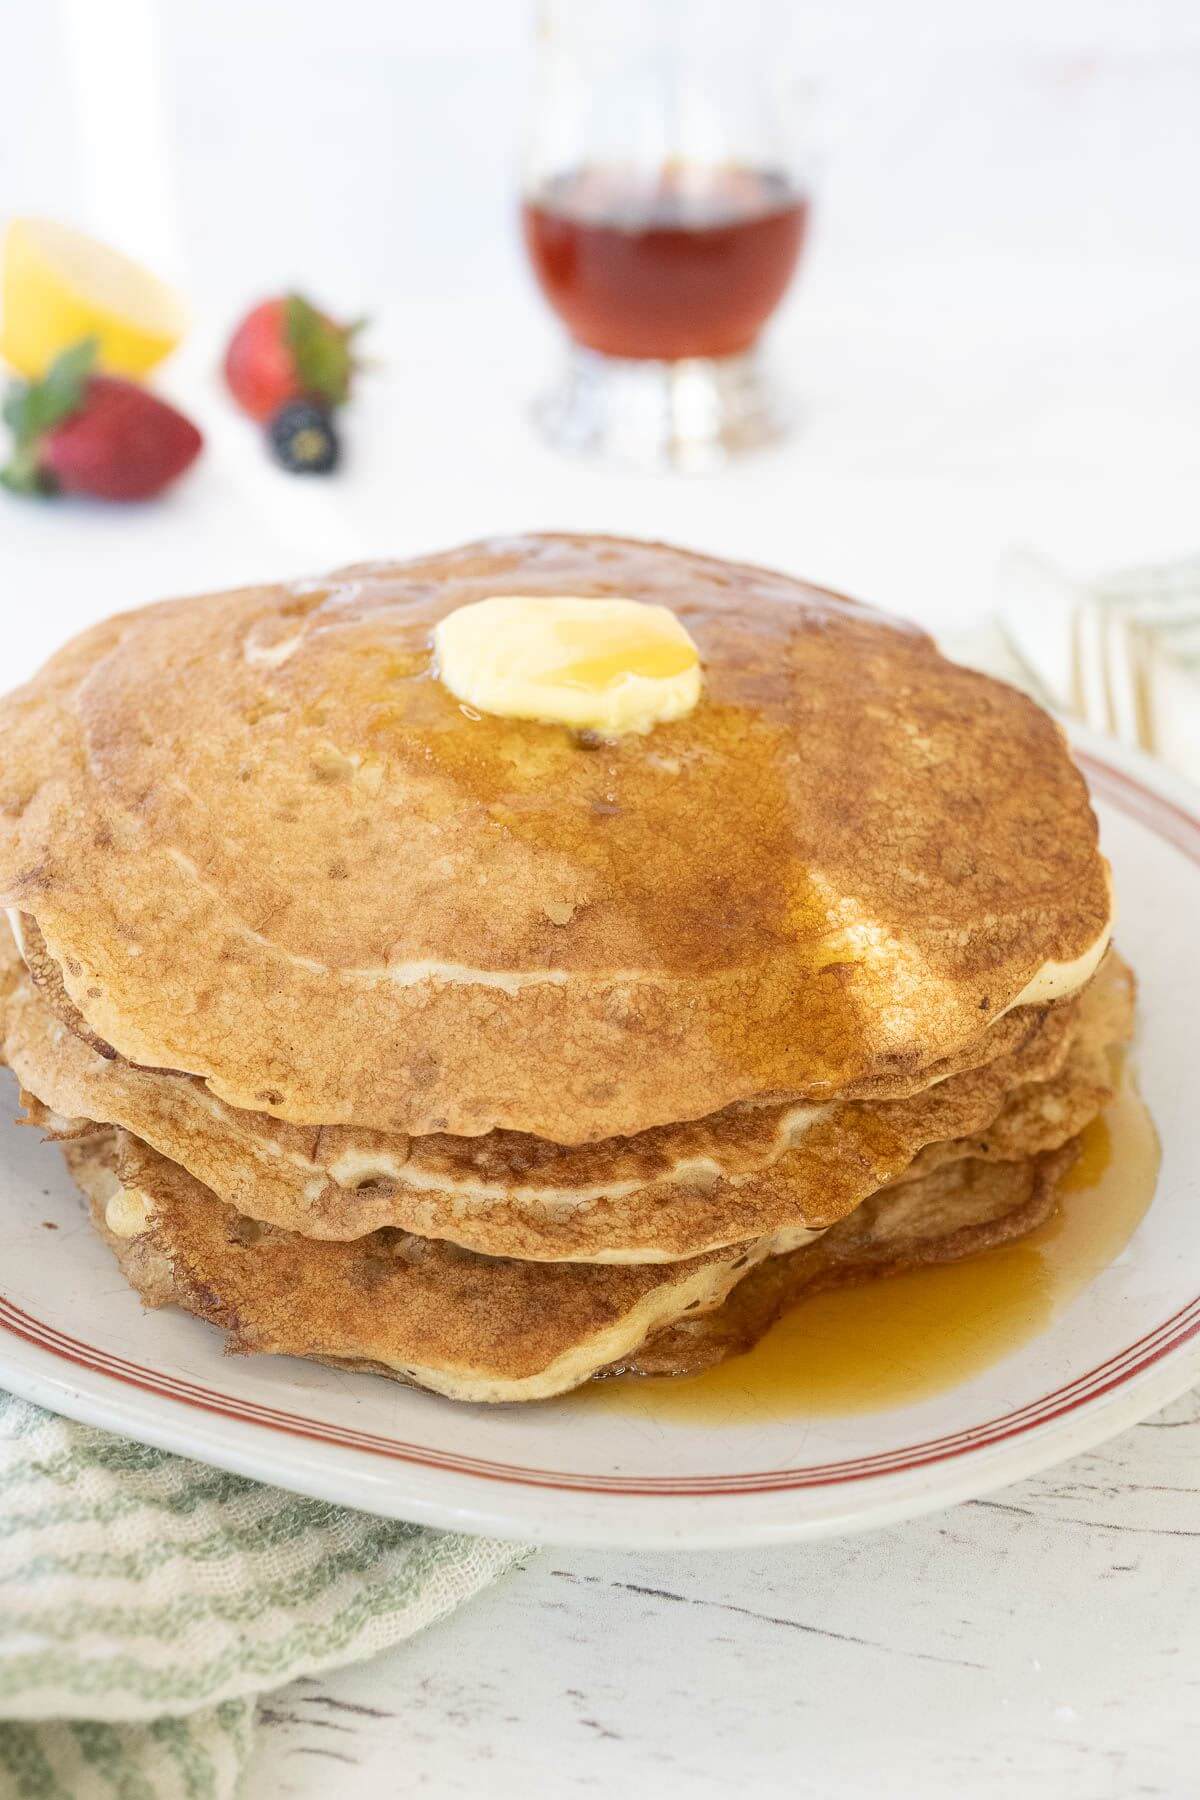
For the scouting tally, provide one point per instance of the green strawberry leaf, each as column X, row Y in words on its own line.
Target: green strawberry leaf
column 320, row 349
column 32, row 408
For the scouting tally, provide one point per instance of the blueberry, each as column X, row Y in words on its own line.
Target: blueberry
column 302, row 438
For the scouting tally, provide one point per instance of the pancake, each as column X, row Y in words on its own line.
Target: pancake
column 479, row 1329
column 670, row 1193
column 1008, row 1033
column 265, row 847
column 471, row 1327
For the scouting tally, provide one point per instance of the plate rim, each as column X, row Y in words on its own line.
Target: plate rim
column 449, row 1489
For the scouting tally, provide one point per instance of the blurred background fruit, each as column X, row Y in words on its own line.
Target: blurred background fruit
column 303, row 438
column 58, row 286
column 77, row 432
column 288, row 349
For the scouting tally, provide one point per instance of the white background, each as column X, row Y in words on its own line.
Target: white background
column 996, row 341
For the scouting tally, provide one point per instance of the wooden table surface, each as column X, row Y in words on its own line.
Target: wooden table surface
column 1044, row 1641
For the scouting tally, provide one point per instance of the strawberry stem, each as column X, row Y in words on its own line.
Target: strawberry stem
column 320, row 350
column 21, row 474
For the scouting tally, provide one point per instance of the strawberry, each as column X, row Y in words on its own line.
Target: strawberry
column 80, row 433
column 287, row 350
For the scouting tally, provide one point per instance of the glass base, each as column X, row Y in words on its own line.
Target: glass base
column 692, row 415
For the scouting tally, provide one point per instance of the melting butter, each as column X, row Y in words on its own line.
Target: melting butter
column 608, row 665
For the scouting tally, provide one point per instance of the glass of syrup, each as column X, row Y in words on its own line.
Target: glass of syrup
column 664, row 211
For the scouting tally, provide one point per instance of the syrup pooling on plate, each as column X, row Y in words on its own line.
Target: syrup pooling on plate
column 901, row 1338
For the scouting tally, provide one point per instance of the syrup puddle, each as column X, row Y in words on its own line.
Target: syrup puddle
column 900, row 1339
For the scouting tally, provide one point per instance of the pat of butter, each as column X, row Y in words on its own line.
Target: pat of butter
column 610, row 665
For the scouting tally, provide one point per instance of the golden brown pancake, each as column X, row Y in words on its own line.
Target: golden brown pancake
column 482, row 1329
column 266, row 847
column 671, row 1192
column 472, row 1327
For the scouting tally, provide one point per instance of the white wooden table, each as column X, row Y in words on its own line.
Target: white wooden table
column 1043, row 1642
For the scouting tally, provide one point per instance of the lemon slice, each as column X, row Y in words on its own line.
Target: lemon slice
column 59, row 286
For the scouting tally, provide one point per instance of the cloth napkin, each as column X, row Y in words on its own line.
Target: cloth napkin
column 146, row 1601
column 1120, row 651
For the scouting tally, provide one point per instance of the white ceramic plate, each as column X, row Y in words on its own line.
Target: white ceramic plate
column 73, row 1336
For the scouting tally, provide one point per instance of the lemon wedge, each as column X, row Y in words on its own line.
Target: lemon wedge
column 58, row 286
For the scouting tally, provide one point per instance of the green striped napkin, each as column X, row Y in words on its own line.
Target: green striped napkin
column 145, row 1601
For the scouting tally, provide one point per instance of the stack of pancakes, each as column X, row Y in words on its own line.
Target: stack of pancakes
column 493, row 1055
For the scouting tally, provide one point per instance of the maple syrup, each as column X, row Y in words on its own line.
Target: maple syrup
column 692, row 262
column 902, row 1338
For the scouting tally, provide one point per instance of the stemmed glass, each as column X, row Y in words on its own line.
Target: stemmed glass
column 665, row 205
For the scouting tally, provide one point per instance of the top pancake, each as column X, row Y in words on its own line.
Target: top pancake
column 266, row 847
